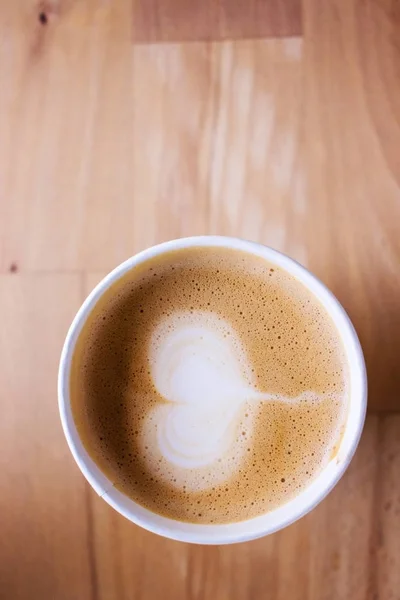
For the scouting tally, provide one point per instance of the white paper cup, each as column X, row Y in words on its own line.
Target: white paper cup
column 283, row 515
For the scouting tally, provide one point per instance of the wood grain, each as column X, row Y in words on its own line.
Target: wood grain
column 44, row 545
column 386, row 541
column 66, row 137
column 211, row 20
column 353, row 173
column 226, row 161
column 126, row 167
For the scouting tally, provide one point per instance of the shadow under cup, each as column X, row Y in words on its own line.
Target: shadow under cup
column 275, row 519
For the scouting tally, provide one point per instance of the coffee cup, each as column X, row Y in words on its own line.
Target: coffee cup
column 274, row 519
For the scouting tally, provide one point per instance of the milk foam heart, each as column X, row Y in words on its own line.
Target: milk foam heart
column 201, row 370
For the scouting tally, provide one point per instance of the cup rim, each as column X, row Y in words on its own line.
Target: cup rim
column 268, row 522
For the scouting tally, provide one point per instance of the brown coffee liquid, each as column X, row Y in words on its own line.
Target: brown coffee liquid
column 293, row 350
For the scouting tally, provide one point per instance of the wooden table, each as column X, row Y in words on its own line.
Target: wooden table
column 127, row 122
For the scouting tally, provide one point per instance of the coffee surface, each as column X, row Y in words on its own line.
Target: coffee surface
column 209, row 385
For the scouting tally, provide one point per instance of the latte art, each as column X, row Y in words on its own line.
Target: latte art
column 200, row 368
column 209, row 386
